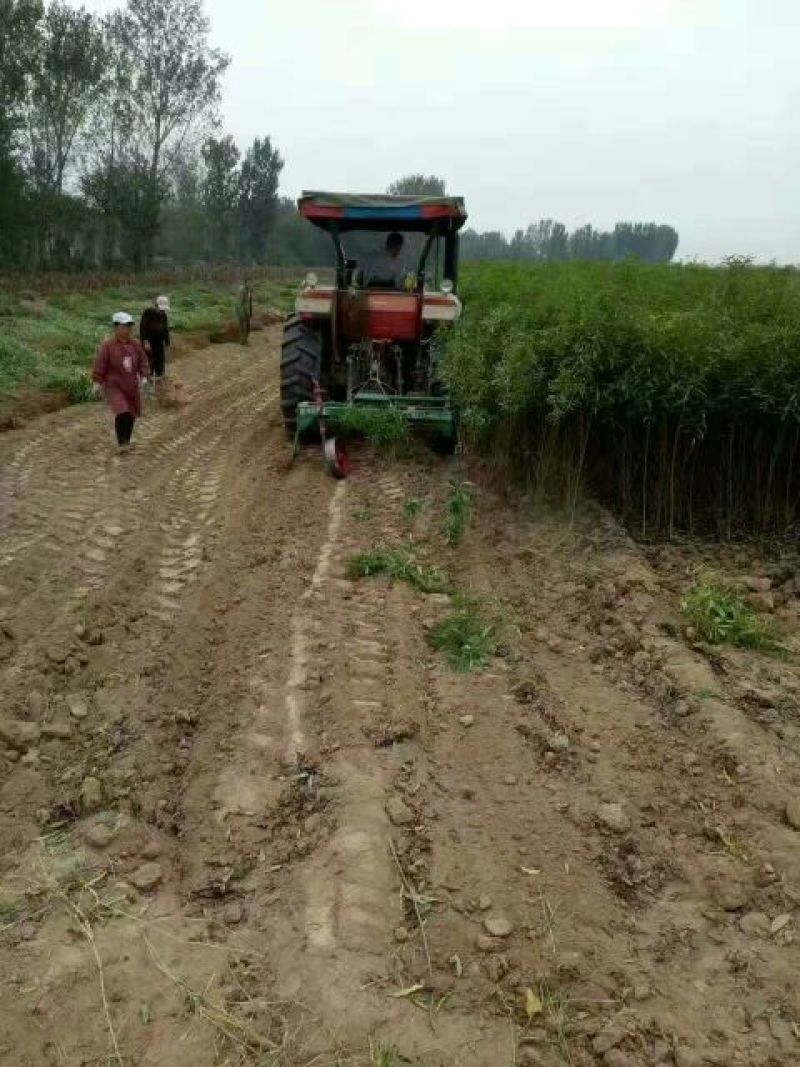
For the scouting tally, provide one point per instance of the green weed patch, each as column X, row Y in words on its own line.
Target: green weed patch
column 465, row 637
column 721, row 615
column 399, row 566
column 459, row 512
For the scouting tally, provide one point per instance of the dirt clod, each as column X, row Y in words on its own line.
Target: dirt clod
column 498, row 927
column 19, row 734
column 147, row 876
column 400, row 814
column 78, row 708
column 91, row 795
column 98, row 835
column 607, row 1039
column 57, row 730
column 757, row 585
column 755, row 924
column 730, row 895
column 484, row 943
column 232, row 914
column 613, row 817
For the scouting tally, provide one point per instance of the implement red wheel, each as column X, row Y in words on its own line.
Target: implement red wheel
column 336, row 461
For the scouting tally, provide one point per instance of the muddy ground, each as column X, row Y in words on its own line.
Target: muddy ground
column 248, row 816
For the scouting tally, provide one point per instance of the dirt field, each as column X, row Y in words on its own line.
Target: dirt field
column 247, row 816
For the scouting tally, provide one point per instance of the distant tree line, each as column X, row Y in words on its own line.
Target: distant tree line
column 550, row 241
column 294, row 241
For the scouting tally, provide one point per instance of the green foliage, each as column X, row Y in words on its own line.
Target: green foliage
column 70, row 68
column 721, row 615
column 169, row 76
column 459, row 512
column 74, row 383
column 382, row 426
column 548, row 241
column 221, row 193
column 675, row 388
column 258, row 198
column 399, row 566
column 465, row 637
column 49, row 342
column 418, row 185
column 412, row 507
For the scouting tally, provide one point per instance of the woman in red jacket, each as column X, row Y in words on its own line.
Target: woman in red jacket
column 120, row 366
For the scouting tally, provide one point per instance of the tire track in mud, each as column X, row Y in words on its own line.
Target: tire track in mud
column 87, row 531
column 353, row 672
column 34, row 491
column 193, row 496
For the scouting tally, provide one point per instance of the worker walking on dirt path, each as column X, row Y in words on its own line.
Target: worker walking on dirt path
column 154, row 335
column 244, row 312
column 121, row 365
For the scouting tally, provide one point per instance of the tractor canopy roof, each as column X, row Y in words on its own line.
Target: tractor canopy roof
column 338, row 212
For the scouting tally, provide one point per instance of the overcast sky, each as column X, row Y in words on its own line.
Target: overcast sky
column 679, row 111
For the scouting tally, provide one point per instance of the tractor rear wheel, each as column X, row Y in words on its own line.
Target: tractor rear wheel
column 301, row 366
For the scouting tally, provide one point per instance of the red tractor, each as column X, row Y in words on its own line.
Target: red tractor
column 372, row 340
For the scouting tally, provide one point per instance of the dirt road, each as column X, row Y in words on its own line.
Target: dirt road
column 247, row 816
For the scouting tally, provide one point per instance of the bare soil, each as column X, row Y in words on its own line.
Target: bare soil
column 248, row 816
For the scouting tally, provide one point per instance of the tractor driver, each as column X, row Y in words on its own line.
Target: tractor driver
column 385, row 270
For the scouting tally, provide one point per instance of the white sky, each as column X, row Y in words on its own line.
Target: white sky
column 679, row 111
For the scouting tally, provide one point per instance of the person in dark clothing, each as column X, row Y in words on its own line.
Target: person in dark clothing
column 154, row 334
column 385, row 269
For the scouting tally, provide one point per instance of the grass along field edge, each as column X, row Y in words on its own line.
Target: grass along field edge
column 48, row 341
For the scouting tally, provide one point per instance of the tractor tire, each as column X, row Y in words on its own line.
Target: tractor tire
column 301, row 366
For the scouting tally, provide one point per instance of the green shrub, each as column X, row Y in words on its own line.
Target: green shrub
column 721, row 615
column 465, row 637
column 412, row 507
column 459, row 512
column 76, row 384
column 673, row 389
column 399, row 566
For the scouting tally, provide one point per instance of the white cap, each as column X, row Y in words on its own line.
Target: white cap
column 162, row 303
column 122, row 318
